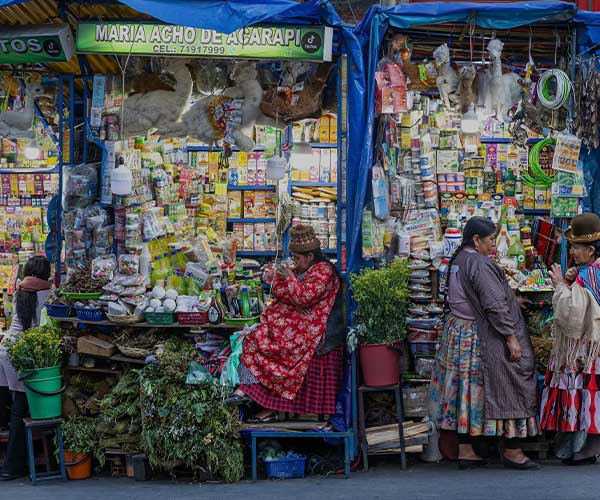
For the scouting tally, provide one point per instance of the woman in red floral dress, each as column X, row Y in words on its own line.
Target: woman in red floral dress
column 287, row 365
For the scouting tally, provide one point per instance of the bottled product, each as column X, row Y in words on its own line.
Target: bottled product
column 517, row 252
column 452, row 239
column 158, row 276
column 214, row 312
column 526, row 236
column 245, row 302
column 502, row 245
column 178, row 283
column 145, row 263
column 529, row 257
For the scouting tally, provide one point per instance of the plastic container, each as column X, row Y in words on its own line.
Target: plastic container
column 380, row 364
column 192, row 318
column 164, row 318
column 285, row 468
column 58, row 310
column 79, row 465
column 85, row 314
column 43, row 389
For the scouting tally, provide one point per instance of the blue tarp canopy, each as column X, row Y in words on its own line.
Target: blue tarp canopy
column 370, row 33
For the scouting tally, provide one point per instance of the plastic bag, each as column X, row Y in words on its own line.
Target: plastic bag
column 199, row 375
column 104, row 267
column 229, row 375
column 129, row 264
column 80, row 186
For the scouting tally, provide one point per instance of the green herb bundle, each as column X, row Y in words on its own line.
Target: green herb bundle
column 38, row 347
column 382, row 297
column 79, row 434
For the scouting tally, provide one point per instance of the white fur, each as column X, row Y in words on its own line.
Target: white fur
column 17, row 124
column 144, row 112
column 504, row 88
column 195, row 122
column 447, row 80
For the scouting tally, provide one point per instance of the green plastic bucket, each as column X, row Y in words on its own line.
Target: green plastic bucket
column 44, row 389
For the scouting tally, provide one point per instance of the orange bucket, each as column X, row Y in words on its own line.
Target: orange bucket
column 79, row 466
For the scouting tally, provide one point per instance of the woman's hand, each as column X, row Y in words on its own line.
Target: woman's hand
column 284, row 271
column 571, row 274
column 523, row 301
column 557, row 275
column 514, row 347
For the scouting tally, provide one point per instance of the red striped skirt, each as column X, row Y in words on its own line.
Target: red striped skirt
column 317, row 393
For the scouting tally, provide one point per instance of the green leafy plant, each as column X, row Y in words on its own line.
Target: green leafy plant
column 382, row 297
column 188, row 425
column 79, row 434
column 38, row 347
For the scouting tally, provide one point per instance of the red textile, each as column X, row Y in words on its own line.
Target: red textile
column 317, row 393
column 280, row 350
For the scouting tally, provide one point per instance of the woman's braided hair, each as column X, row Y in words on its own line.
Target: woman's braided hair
column 476, row 226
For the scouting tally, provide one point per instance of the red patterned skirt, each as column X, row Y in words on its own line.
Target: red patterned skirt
column 317, row 393
column 571, row 400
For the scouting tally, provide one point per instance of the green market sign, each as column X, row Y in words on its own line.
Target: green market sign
column 309, row 43
column 36, row 44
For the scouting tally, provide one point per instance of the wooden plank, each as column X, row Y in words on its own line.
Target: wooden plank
column 148, row 325
column 395, row 451
column 286, row 426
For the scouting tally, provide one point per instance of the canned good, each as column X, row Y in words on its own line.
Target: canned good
column 314, row 210
column 331, row 211
column 322, row 210
column 331, row 227
column 323, row 227
column 306, row 211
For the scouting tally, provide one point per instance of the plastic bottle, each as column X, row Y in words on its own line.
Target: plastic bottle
column 245, row 301
column 178, row 283
column 517, row 252
column 192, row 285
column 502, row 245
column 158, row 276
column 145, row 263
column 214, row 313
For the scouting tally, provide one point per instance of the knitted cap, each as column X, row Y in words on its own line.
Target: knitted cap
column 303, row 239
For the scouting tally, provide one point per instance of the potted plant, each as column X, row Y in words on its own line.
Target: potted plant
column 37, row 355
column 80, row 441
column 382, row 299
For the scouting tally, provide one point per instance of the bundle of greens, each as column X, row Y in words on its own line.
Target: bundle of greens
column 38, row 347
column 187, row 425
column 119, row 423
column 79, row 434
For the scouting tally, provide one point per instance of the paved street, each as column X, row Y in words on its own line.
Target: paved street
column 421, row 482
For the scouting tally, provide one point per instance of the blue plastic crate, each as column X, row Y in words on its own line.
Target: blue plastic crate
column 58, row 310
column 285, row 468
column 86, row 314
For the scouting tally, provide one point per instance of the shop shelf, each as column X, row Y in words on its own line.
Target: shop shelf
column 531, row 211
column 252, row 221
column 53, row 170
column 251, row 188
column 314, row 184
column 320, row 145
column 215, row 148
column 256, row 253
column 329, row 251
column 503, row 140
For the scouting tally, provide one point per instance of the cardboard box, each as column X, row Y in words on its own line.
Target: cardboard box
column 249, row 204
column 333, row 170
column 261, row 169
column 322, row 166
column 528, row 197
column 333, row 129
column 235, row 204
column 270, row 204
column 324, row 128
column 447, row 161
column 252, row 165
column 248, row 243
column 542, row 199
column 259, row 237
column 95, row 346
column 260, row 210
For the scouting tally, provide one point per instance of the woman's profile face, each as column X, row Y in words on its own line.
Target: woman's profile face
column 302, row 262
column 485, row 245
column 582, row 254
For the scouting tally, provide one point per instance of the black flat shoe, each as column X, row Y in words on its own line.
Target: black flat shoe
column 10, row 477
column 464, row 463
column 527, row 465
column 237, row 400
column 580, row 461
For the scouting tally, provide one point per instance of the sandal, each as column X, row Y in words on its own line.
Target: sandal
column 237, row 400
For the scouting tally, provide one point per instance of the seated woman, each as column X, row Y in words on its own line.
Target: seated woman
column 289, row 363
column 29, row 301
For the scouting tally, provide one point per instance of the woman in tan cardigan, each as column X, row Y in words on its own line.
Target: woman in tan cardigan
column 571, row 394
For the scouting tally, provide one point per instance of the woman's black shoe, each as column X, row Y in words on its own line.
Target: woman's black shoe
column 237, row 400
column 580, row 461
column 464, row 464
column 527, row 465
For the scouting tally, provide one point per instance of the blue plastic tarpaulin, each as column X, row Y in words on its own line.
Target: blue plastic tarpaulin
column 370, row 33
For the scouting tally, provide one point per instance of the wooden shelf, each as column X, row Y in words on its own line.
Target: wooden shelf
column 93, row 370
column 145, row 325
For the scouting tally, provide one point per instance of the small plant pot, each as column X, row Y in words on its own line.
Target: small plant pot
column 380, row 364
column 79, row 465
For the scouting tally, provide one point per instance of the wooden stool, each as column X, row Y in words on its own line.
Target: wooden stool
column 397, row 390
column 52, row 425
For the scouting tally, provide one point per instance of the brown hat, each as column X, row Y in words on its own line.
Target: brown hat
column 303, row 239
column 584, row 228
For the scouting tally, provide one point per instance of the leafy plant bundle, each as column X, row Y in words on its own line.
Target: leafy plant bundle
column 119, row 424
column 188, row 425
column 38, row 347
column 382, row 297
column 79, row 434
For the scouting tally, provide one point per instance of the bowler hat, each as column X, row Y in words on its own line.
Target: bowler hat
column 584, row 228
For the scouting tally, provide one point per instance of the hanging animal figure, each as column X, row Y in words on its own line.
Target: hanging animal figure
column 144, row 112
column 447, row 80
column 467, row 93
column 504, row 89
column 17, row 124
column 229, row 117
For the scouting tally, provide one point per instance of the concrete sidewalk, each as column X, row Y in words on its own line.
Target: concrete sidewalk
column 420, row 482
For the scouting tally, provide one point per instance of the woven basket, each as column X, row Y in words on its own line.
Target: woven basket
column 124, row 320
column 133, row 352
